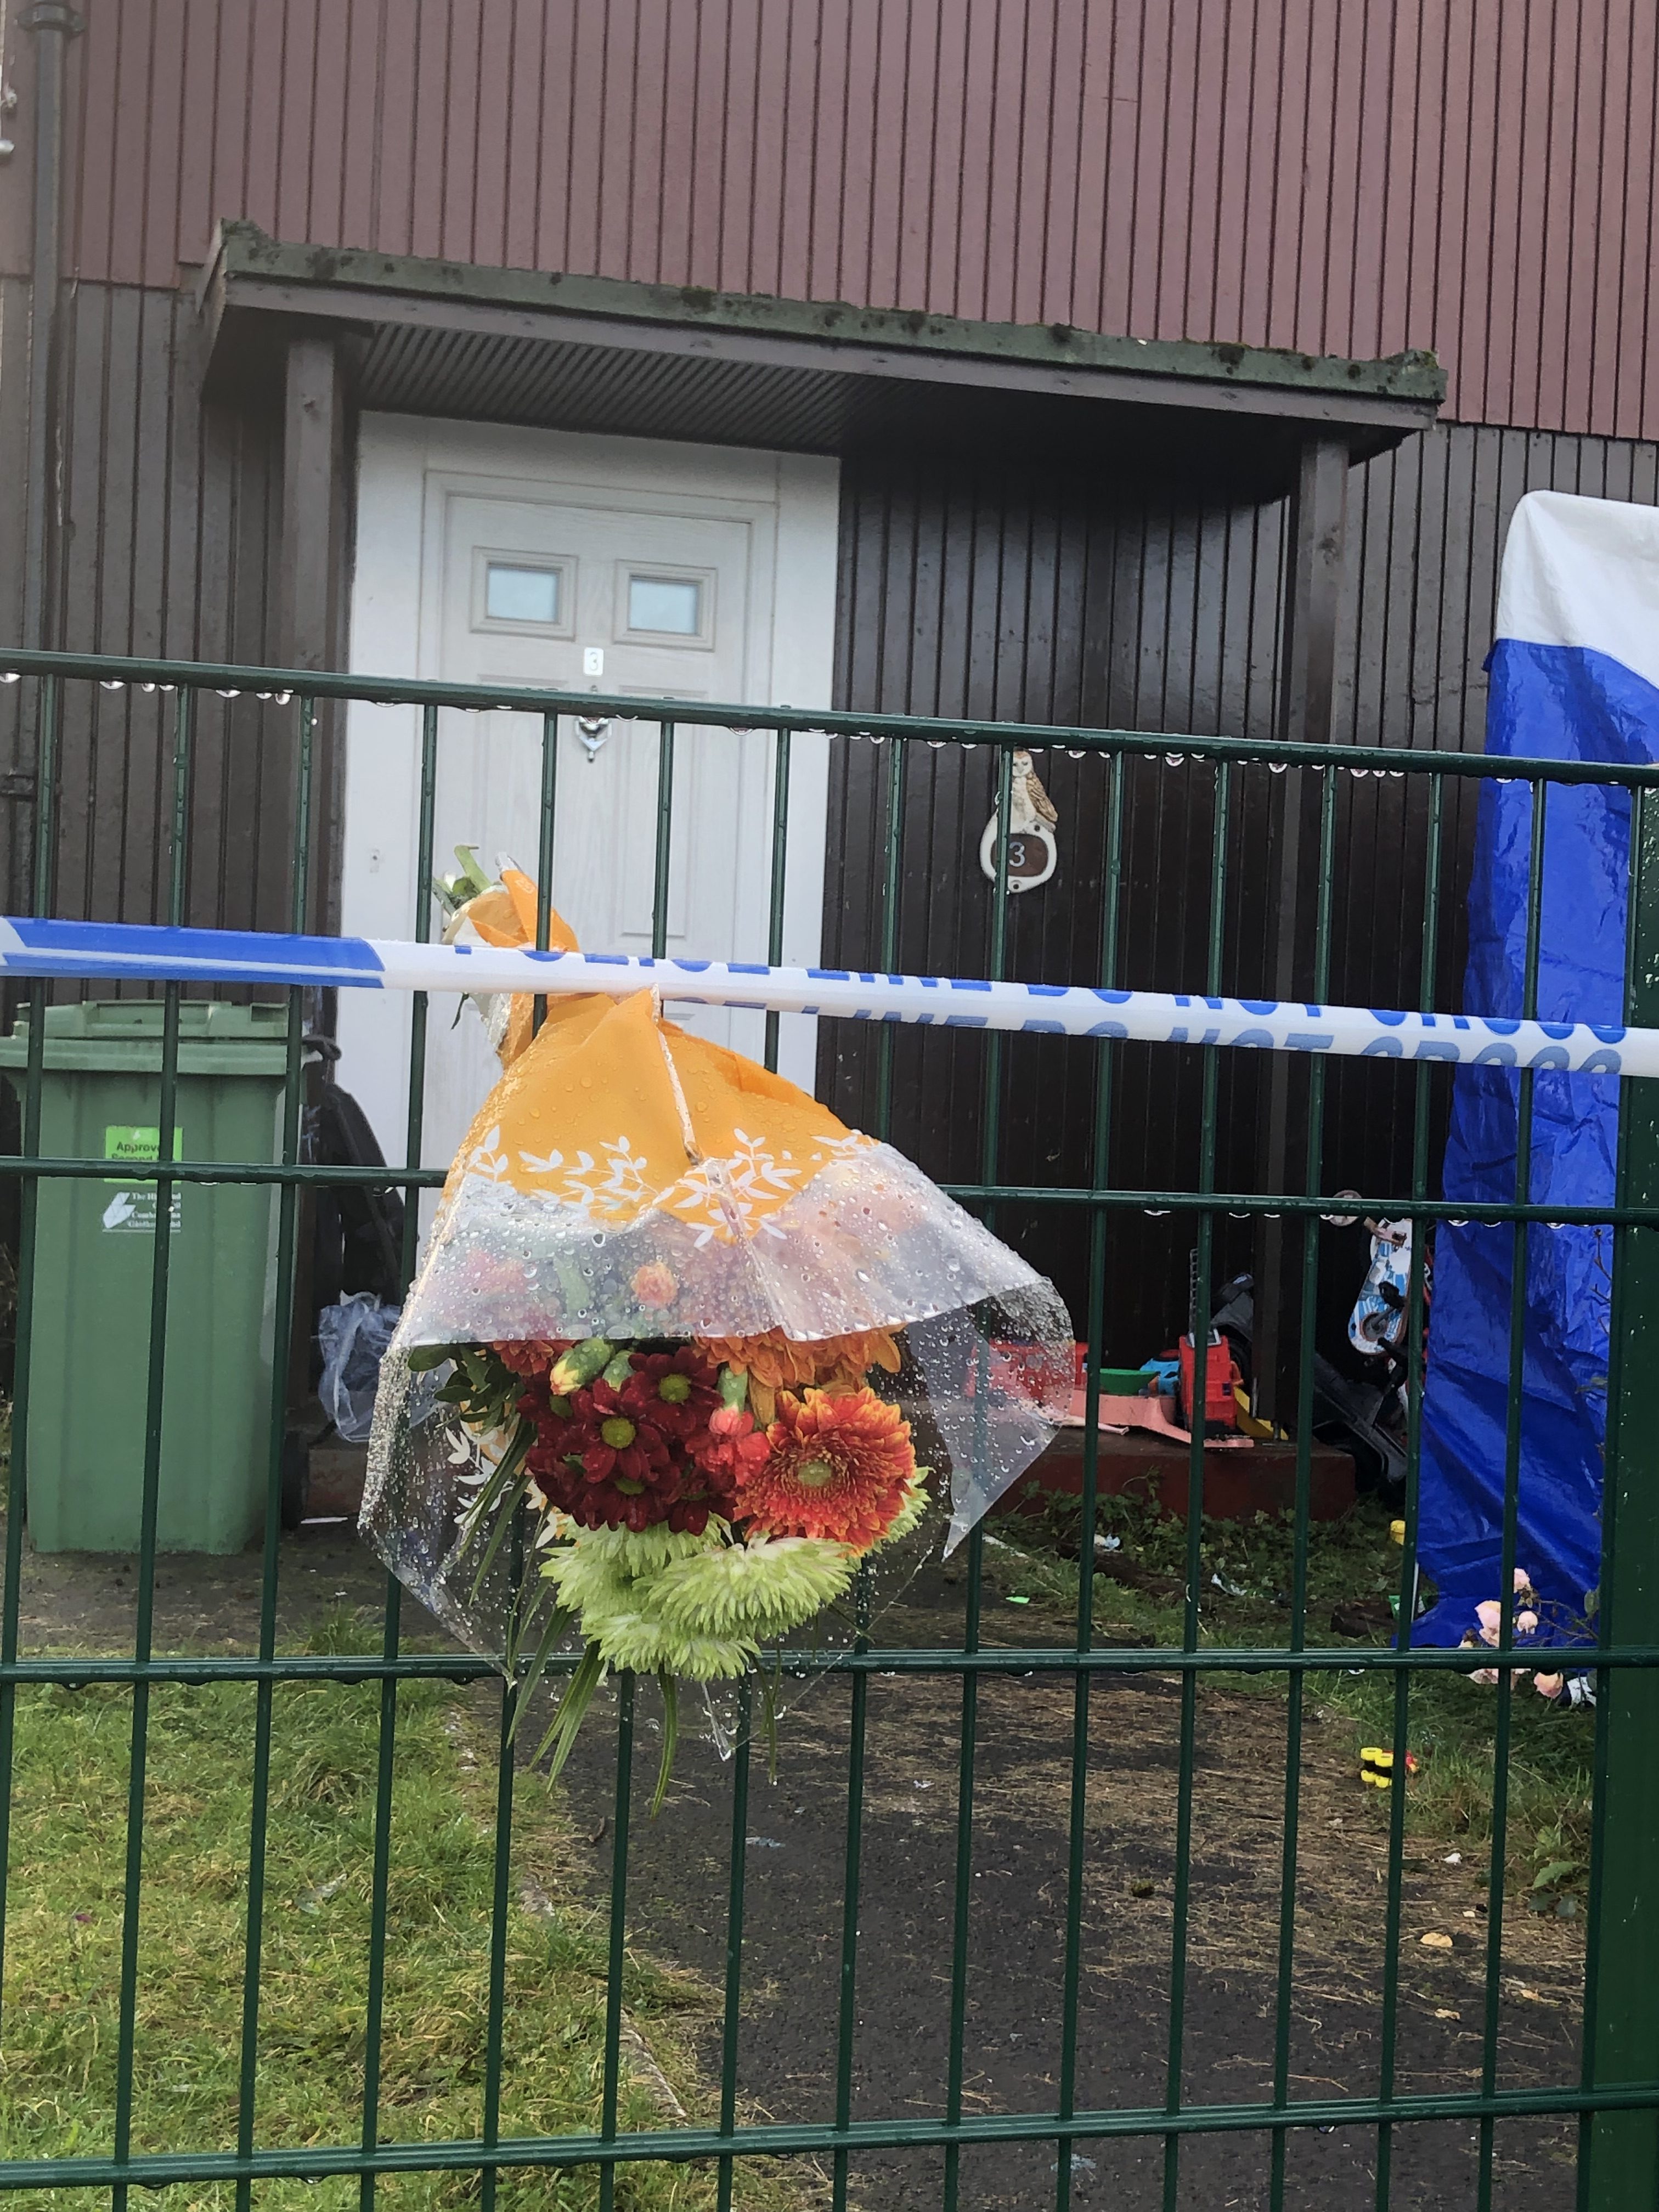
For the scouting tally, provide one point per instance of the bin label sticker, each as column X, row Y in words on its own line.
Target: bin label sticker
column 131, row 1211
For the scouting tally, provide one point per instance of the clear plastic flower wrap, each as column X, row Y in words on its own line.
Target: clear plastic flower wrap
column 692, row 1377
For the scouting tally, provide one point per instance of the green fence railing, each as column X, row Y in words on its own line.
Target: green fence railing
column 1615, row 2099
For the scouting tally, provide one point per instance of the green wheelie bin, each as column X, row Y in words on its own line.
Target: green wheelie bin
column 88, row 1358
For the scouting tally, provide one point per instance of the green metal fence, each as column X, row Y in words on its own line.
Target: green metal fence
column 1617, row 2098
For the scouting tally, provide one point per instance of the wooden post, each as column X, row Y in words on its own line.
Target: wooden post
column 1313, row 590
column 311, row 634
column 311, row 620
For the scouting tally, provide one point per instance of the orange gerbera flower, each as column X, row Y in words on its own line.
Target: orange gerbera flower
column 840, row 1466
column 775, row 1362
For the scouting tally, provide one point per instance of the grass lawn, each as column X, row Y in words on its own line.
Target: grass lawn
column 1452, row 1721
column 57, row 2065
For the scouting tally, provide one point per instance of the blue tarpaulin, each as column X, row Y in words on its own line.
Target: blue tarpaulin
column 1575, row 675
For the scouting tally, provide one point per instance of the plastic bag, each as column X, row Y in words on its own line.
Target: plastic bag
column 353, row 1335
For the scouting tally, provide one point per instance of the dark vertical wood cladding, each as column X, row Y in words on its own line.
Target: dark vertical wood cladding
column 1334, row 176
column 1050, row 596
column 170, row 515
column 1040, row 596
column 15, row 816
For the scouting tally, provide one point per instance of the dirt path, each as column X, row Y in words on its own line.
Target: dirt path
column 795, row 1840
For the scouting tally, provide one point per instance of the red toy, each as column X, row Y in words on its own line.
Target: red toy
column 1220, row 1375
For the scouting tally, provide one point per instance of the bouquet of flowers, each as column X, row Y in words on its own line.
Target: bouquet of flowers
column 690, row 1370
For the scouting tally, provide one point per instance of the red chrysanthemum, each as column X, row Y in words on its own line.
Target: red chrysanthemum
column 675, row 1391
column 838, row 1466
column 623, row 1455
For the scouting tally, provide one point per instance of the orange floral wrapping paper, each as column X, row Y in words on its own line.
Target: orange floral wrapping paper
column 627, row 1179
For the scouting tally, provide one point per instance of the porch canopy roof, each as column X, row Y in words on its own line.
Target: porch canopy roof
column 593, row 353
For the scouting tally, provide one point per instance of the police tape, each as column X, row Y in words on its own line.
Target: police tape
column 136, row 952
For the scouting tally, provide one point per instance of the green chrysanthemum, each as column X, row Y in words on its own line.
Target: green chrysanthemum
column 911, row 1513
column 588, row 1579
column 646, row 1551
column 603, row 1568
column 648, row 1646
column 758, row 1590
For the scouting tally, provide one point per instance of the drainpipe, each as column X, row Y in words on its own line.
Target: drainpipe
column 53, row 24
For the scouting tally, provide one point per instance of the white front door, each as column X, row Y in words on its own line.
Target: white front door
column 604, row 595
column 493, row 556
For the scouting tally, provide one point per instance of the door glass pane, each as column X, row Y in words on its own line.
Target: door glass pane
column 673, row 603
column 527, row 595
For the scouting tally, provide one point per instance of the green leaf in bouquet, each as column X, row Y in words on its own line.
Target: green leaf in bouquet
column 494, row 1497
column 421, row 1358
column 560, row 1737
column 553, row 1628
column 671, row 1735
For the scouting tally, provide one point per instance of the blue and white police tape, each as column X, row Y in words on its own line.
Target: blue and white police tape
column 94, row 950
